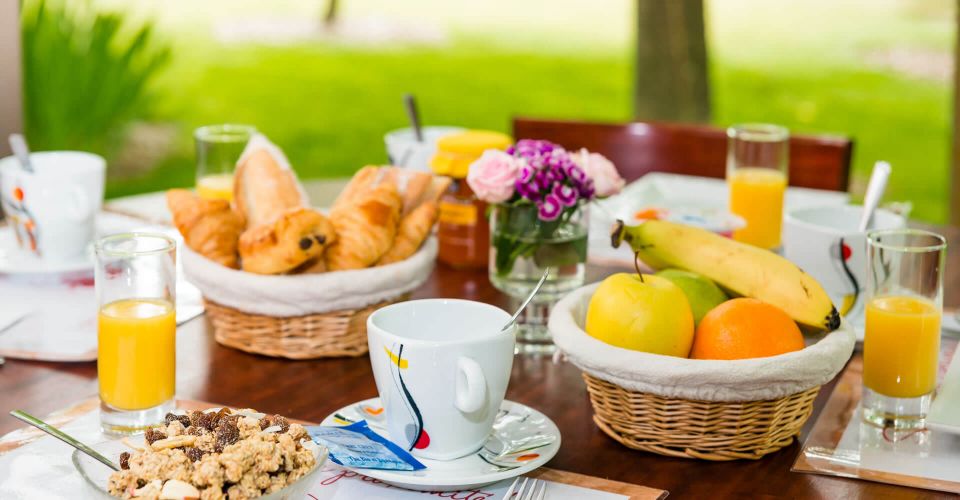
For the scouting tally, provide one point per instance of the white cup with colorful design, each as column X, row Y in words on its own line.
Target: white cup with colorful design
column 442, row 367
column 52, row 209
column 825, row 243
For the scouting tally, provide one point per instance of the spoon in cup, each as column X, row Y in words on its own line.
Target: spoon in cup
column 20, row 149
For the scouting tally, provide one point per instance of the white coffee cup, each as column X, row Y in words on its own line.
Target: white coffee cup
column 825, row 243
column 52, row 209
column 442, row 368
column 404, row 150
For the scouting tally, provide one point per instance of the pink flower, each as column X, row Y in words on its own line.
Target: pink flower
column 493, row 175
column 603, row 172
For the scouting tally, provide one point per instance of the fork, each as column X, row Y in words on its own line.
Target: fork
column 532, row 494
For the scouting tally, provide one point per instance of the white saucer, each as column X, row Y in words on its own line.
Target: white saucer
column 14, row 261
column 469, row 472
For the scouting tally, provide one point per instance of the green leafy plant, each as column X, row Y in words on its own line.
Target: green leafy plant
column 85, row 74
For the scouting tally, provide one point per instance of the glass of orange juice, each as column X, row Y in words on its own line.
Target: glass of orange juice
column 218, row 149
column 757, row 163
column 136, row 331
column 901, row 345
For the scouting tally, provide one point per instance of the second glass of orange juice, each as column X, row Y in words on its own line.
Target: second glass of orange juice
column 136, row 331
column 218, row 149
column 901, row 345
column 757, row 164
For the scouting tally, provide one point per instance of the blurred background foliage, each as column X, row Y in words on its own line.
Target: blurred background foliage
column 86, row 74
column 877, row 70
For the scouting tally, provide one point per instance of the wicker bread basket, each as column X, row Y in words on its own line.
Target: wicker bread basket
column 302, row 316
column 710, row 410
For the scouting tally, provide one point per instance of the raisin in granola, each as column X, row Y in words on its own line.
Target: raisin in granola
column 154, row 435
column 125, row 460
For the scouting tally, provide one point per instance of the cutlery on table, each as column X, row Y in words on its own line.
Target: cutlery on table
column 62, row 436
column 526, row 494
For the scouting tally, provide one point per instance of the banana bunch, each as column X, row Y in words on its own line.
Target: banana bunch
column 737, row 267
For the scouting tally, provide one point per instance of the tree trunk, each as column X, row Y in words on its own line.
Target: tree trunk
column 330, row 14
column 671, row 72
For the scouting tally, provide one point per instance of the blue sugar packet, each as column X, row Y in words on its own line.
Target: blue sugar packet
column 356, row 445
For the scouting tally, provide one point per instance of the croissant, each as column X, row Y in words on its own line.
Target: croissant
column 366, row 227
column 414, row 228
column 208, row 227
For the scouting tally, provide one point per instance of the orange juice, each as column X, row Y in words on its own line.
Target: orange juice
column 901, row 346
column 756, row 194
column 137, row 353
column 216, row 187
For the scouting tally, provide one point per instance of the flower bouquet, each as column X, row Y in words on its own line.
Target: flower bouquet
column 539, row 193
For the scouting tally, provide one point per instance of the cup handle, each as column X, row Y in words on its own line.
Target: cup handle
column 81, row 210
column 471, row 386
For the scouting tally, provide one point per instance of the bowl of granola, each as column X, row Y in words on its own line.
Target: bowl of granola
column 213, row 454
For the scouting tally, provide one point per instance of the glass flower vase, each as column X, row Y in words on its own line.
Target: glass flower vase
column 523, row 247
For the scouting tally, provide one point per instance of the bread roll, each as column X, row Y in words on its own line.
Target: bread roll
column 263, row 189
column 414, row 228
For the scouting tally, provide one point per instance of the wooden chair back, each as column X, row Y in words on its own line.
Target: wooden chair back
column 821, row 162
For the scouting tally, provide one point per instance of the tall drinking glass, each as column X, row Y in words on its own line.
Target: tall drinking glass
column 218, row 149
column 901, row 344
column 757, row 163
column 136, row 355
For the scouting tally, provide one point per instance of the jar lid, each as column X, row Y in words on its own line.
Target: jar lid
column 455, row 152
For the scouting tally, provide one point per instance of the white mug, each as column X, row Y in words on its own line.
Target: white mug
column 825, row 243
column 404, row 150
column 442, row 367
column 52, row 209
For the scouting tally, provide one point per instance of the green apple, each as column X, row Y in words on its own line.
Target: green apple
column 702, row 293
column 644, row 313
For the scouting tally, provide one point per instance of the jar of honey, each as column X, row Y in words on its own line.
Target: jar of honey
column 462, row 230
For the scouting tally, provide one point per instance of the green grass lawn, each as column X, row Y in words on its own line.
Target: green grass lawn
column 328, row 106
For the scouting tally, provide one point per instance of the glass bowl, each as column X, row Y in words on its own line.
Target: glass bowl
column 95, row 474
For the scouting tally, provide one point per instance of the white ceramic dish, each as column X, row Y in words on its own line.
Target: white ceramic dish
column 15, row 261
column 944, row 415
column 466, row 473
column 95, row 474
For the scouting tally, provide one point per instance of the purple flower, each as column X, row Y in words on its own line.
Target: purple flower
column 526, row 174
column 587, row 190
column 528, row 191
column 549, row 208
column 565, row 194
column 576, row 174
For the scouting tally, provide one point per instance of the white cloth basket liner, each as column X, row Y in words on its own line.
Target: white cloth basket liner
column 743, row 380
column 303, row 294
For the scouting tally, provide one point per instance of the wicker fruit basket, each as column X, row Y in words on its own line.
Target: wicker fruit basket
column 302, row 316
column 704, row 409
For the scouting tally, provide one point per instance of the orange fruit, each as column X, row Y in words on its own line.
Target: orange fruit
column 745, row 328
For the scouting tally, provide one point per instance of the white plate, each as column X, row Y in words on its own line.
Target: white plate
column 464, row 473
column 944, row 412
column 14, row 261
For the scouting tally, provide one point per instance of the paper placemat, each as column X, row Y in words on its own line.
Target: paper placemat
column 54, row 317
column 29, row 460
column 840, row 444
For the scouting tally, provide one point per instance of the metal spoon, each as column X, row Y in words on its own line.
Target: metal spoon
column 526, row 301
column 66, row 438
column 20, row 149
column 875, row 189
column 410, row 103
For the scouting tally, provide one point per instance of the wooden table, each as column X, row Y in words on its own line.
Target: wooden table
column 312, row 389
